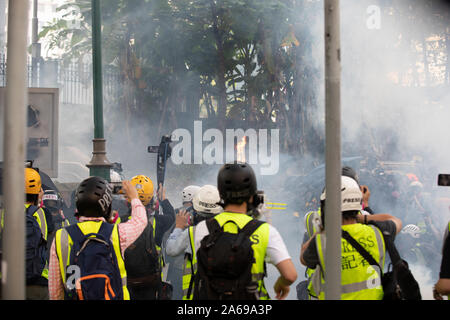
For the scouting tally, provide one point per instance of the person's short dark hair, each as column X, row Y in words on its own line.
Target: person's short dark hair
column 350, row 172
column 32, row 198
column 347, row 215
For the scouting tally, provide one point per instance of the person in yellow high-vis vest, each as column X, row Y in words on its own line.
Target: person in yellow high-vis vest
column 93, row 201
column 144, row 260
column 205, row 204
column 237, row 187
column 359, row 280
column 313, row 224
column 53, row 203
column 37, row 287
column 176, row 264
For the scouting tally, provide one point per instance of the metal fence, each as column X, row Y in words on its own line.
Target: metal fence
column 73, row 79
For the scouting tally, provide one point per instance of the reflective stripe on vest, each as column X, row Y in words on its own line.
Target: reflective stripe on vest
column 39, row 215
column 260, row 239
column 63, row 244
column 190, row 266
column 158, row 248
column 359, row 280
column 65, row 223
column 313, row 222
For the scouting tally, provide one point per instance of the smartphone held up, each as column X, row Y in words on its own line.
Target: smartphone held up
column 444, row 180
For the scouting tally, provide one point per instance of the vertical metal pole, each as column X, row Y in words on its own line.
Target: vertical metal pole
column 97, row 69
column 35, row 23
column 13, row 264
column 35, row 45
column 2, row 24
column 99, row 165
column 333, row 151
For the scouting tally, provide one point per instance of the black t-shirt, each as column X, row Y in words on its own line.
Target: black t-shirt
column 311, row 256
column 49, row 219
column 164, row 221
column 445, row 264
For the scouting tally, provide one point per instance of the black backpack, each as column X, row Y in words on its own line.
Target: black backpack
column 36, row 248
column 142, row 260
column 224, row 262
column 99, row 274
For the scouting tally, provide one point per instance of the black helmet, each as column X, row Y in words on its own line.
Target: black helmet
column 52, row 200
column 93, row 198
column 236, row 183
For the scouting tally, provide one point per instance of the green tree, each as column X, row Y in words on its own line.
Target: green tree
column 234, row 59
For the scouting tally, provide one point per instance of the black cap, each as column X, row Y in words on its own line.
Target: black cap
column 93, row 198
column 350, row 172
column 236, row 182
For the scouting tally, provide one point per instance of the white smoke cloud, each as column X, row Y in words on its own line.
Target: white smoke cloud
column 371, row 112
column 423, row 275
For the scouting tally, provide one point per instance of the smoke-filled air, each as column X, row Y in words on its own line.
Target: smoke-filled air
column 244, row 80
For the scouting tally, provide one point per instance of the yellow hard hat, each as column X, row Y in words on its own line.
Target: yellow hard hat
column 32, row 181
column 144, row 187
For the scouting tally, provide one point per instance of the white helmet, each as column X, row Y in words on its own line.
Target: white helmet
column 206, row 200
column 188, row 193
column 351, row 195
column 115, row 176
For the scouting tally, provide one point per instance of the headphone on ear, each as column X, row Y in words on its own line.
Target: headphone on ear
column 322, row 213
column 322, row 208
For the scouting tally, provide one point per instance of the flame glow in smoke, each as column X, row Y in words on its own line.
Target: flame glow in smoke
column 240, row 148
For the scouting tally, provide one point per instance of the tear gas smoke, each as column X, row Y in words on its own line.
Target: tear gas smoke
column 391, row 112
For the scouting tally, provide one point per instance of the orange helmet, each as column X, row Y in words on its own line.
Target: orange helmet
column 144, row 187
column 32, row 181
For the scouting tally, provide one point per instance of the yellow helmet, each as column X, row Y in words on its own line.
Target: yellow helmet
column 32, row 181
column 144, row 187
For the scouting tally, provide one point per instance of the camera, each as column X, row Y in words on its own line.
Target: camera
column 256, row 207
column 116, row 187
column 258, row 198
column 166, row 139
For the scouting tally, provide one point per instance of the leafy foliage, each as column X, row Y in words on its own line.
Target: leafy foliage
column 224, row 60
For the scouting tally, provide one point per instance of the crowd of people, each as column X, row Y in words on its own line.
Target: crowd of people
column 129, row 243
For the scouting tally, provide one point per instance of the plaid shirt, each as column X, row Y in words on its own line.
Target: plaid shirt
column 128, row 233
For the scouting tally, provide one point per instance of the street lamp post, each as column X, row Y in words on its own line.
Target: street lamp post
column 35, row 45
column 99, row 165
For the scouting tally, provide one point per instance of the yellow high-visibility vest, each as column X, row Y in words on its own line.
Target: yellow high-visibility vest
column 260, row 239
column 39, row 215
column 359, row 280
column 63, row 245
